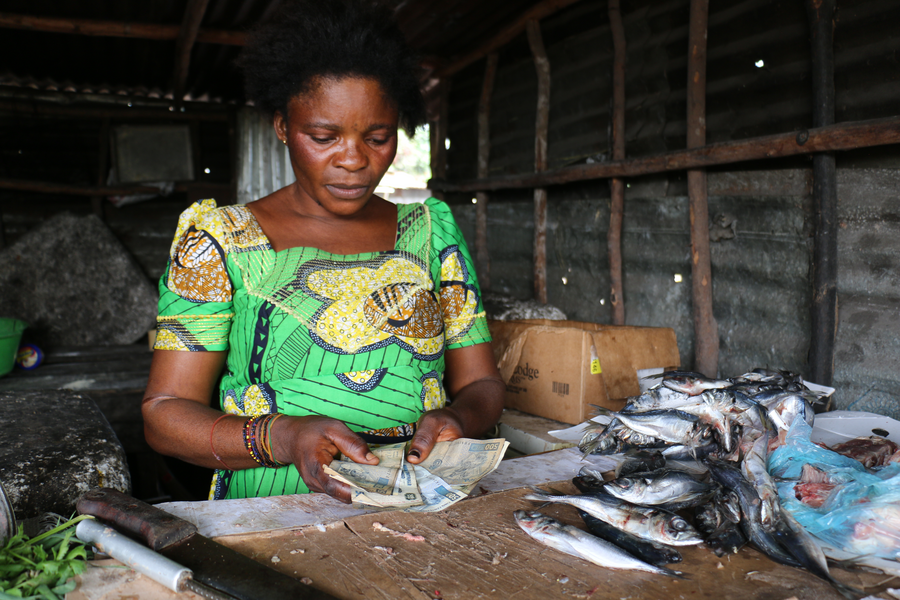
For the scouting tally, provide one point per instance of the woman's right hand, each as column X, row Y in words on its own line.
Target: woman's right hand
column 310, row 442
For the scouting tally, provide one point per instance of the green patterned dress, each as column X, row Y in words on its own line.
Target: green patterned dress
column 360, row 338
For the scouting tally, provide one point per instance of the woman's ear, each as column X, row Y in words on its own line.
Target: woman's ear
column 280, row 124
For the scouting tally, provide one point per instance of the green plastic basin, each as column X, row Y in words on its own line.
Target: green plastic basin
column 10, row 336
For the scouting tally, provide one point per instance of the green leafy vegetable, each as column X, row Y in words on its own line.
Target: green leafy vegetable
column 41, row 567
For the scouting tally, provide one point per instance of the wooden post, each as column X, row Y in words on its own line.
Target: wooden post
column 706, row 335
column 825, row 261
column 542, row 124
column 102, row 169
column 482, row 257
column 616, row 184
column 193, row 16
column 438, row 132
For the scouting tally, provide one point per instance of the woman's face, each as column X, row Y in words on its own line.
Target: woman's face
column 342, row 137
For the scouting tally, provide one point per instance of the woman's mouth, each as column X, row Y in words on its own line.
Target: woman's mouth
column 347, row 192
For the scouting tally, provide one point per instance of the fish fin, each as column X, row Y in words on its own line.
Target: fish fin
column 673, row 573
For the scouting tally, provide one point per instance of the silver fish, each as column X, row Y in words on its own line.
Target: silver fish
column 575, row 542
column 693, row 385
column 647, row 523
column 657, row 487
column 753, row 468
column 672, row 426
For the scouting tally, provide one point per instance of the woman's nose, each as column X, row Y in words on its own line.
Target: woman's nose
column 352, row 156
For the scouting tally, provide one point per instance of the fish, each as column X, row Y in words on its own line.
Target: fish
column 575, row 542
column 801, row 545
column 656, row 398
column 698, row 452
column 719, row 523
column 640, row 460
column 753, row 468
column 672, row 426
column 731, row 478
column 692, row 385
column 665, row 486
column 647, row 523
column 655, row 554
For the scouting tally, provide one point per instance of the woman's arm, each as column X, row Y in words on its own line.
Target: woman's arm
column 473, row 382
column 178, row 421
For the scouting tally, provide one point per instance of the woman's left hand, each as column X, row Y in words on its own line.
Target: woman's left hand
column 477, row 390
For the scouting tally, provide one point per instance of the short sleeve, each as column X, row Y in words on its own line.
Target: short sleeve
column 195, row 292
column 465, row 323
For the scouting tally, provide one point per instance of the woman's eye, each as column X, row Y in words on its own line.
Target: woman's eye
column 379, row 141
column 320, row 140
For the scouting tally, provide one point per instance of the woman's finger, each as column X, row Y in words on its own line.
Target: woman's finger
column 435, row 426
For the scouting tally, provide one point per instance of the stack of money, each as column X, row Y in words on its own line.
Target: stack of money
column 447, row 476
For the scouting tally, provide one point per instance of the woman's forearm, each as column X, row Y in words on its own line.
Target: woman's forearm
column 184, row 429
column 479, row 405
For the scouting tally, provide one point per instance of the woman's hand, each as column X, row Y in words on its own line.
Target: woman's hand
column 477, row 390
column 310, row 442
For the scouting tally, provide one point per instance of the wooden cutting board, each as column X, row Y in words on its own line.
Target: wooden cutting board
column 474, row 550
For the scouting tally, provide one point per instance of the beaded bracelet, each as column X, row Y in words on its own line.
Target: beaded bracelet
column 257, row 434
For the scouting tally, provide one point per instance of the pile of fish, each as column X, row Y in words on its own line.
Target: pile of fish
column 696, row 459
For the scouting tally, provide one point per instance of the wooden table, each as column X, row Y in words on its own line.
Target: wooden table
column 474, row 549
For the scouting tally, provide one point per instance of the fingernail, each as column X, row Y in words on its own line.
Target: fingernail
column 415, row 454
column 370, row 456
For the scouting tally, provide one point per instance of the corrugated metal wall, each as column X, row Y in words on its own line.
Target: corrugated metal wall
column 761, row 276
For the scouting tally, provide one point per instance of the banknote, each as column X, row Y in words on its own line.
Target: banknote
column 449, row 473
column 465, row 461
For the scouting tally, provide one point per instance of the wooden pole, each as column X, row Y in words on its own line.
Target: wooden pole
column 617, row 184
column 825, row 260
column 438, row 131
column 190, row 25
column 482, row 257
column 541, row 127
column 148, row 31
column 841, row 136
column 706, row 333
column 535, row 13
column 102, row 168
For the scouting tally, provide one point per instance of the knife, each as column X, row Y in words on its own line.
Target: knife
column 212, row 564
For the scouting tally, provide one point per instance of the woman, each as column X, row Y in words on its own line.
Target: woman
column 327, row 317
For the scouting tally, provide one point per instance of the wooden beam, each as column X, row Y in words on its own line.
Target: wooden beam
column 187, row 35
column 823, row 322
column 849, row 135
column 163, row 113
column 31, row 108
column 44, row 187
column 482, row 256
column 706, row 331
column 92, row 27
column 541, row 128
column 535, row 13
column 617, row 184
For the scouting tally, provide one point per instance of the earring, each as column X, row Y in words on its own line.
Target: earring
column 284, row 142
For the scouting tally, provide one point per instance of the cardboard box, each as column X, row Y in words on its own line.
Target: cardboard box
column 557, row 369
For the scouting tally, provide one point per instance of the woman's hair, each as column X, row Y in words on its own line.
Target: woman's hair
column 309, row 39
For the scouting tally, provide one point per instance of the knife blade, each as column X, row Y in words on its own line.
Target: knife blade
column 212, row 564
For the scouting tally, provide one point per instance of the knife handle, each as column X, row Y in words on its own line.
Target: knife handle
column 156, row 527
column 140, row 558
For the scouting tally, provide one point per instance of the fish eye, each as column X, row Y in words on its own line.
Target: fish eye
column 679, row 525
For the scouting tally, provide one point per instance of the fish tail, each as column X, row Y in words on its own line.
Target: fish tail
column 672, row 573
column 537, row 495
column 604, row 411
